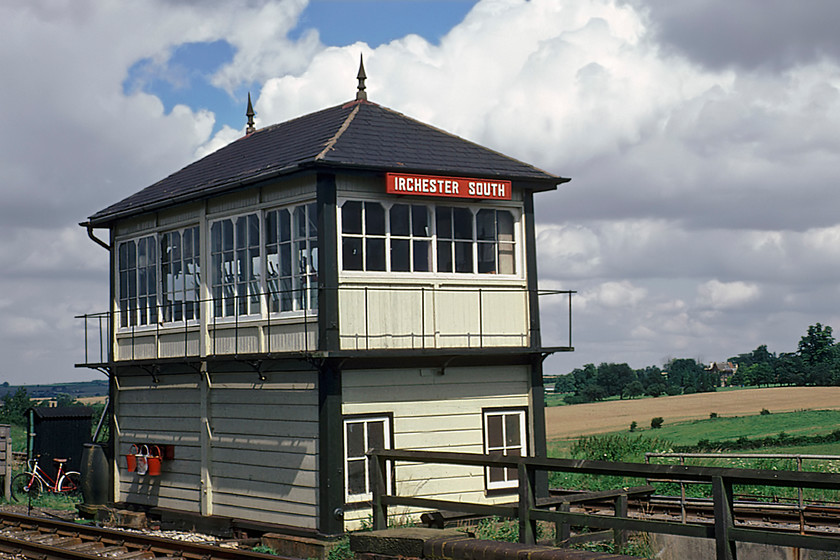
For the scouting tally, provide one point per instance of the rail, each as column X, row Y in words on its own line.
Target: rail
column 797, row 457
column 372, row 317
column 724, row 531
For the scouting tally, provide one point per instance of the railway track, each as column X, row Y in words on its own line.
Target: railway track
column 812, row 518
column 46, row 539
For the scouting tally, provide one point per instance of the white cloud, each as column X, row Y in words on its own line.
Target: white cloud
column 702, row 215
column 724, row 295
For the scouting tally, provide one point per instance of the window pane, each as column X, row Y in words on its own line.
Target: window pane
column 356, row 482
column 355, row 439
column 463, row 221
column 227, row 235
column 216, row 237
column 463, row 257
column 375, row 254
column 444, row 256
column 495, row 438
column 352, row 253
column 507, row 263
column 300, row 222
column 497, row 474
column 271, row 227
column 504, row 222
column 253, row 231
column 399, row 255
column 376, row 434
column 443, row 217
column 485, row 224
column 422, row 256
column 351, row 217
column 374, row 219
column 420, row 221
column 284, row 226
column 312, row 219
column 486, row 258
column 241, row 232
column 512, row 431
column 399, row 220
column 123, row 256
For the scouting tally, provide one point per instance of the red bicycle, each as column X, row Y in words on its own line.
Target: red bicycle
column 32, row 483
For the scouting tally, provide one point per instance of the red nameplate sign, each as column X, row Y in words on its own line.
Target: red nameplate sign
column 456, row 187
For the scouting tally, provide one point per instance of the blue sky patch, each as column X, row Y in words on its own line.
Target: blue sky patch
column 343, row 22
column 185, row 78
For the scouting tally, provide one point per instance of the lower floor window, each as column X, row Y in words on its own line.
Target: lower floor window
column 504, row 435
column 360, row 435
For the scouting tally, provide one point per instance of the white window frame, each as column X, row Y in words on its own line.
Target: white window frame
column 365, row 421
column 509, row 477
column 258, row 285
column 233, row 296
column 514, row 245
column 137, row 310
column 295, row 290
column 184, row 287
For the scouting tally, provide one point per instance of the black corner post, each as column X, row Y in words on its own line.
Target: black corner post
column 537, row 389
column 537, row 412
column 327, row 262
column 330, row 451
column 531, row 271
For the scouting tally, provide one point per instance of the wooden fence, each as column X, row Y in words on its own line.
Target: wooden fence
column 723, row 530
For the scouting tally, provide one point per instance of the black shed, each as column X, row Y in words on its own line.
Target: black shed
column 59, row 432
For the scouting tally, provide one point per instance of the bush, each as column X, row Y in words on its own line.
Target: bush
column 656, row 422
column 616, row 447
column 764, row 412
column 712, row 415
column 633, row 426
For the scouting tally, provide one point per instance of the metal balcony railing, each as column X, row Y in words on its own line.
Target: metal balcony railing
column 370, row 317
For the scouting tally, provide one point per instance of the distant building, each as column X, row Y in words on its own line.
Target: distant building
column 724, row 370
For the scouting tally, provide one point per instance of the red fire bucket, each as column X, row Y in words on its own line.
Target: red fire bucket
column 131, row 458
column 154, row 460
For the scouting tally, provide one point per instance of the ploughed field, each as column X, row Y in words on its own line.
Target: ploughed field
column 571, row 421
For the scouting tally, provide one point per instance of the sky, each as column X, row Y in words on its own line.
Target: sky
column 702, row 138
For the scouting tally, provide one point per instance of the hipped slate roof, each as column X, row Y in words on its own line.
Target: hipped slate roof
column 356, row 135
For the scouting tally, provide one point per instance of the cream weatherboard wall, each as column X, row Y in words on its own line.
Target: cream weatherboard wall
column 435, row 412
column 163, row 413
column 244, row 447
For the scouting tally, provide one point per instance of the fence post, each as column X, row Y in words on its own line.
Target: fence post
column 683, row 515
column 724, row 518
column 562, row 529
column 620, row 535
column 527, row 526
column 380, row 511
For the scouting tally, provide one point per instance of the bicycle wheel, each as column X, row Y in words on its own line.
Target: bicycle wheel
column 70, row 484
column 25, row 487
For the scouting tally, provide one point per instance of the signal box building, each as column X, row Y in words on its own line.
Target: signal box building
column 348, row 279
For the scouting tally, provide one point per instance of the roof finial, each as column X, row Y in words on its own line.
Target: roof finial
column 361, row 95
column 250, row 114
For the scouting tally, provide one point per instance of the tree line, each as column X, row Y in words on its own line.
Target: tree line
column 816, row 362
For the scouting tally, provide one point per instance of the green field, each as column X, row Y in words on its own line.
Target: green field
column 627, row 446
column 803, row 423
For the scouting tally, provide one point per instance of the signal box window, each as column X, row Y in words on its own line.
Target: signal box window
column 360, row 435
column 504, row 434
